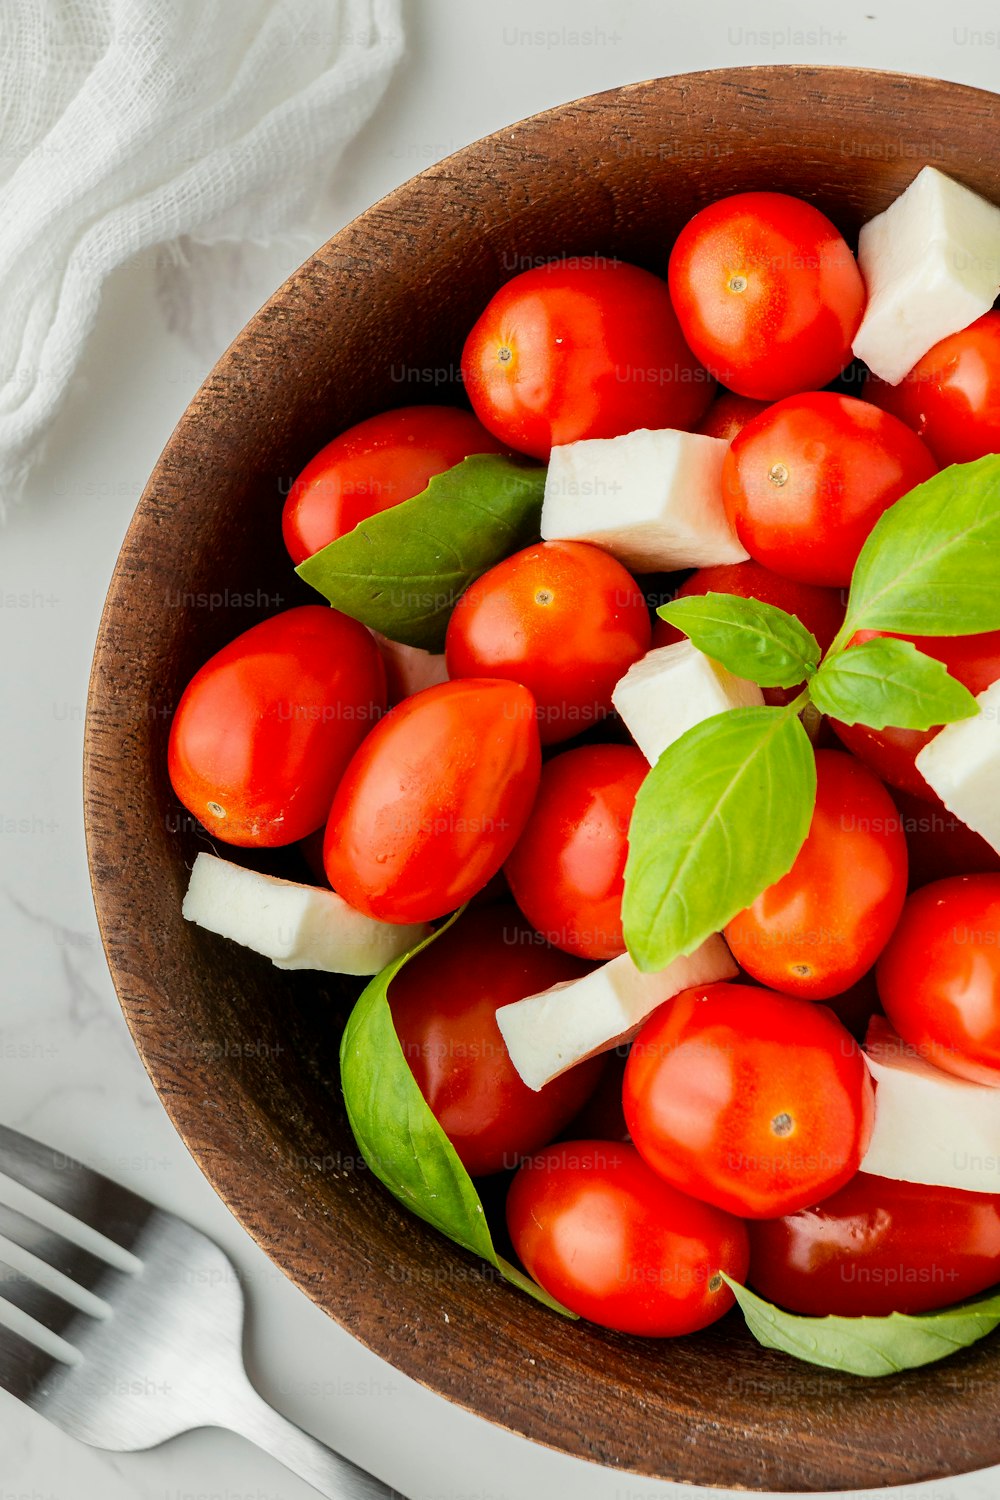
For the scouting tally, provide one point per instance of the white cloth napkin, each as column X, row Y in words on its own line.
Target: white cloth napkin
column 128, row 124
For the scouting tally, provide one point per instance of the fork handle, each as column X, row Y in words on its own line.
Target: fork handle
column 327, row 1471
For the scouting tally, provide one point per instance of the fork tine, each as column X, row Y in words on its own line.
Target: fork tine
column 88, row 1196
column 54, row 1249
column 23, row 1366
column 39, row 1302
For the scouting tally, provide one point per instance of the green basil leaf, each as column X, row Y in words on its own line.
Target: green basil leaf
column 886, row 681
column 403, row 570
column 399, row 1137
column 719, row 818
column 753, row 639
column 929, row 566
column 869, row 1346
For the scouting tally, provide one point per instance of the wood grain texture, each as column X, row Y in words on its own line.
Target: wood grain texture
column 244, row 1057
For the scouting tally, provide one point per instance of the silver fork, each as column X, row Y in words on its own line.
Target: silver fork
column 164, row 1356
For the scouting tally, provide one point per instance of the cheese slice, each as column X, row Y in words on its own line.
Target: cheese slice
column 930, row 1126
column 670, row 690
column 652, row 498
column 295, row 926
column 409, row 669
column 962, row 764
column 549, row 1033
column 931, row 263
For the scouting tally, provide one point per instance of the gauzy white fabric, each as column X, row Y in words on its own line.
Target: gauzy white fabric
column 126, row 124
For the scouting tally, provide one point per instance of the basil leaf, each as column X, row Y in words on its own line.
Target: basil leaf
column 403, row 570
column 869, row 1346
column 929, row 566
column 886, row 681
column 399, row 1137
column 751, row 638
column 719, row 818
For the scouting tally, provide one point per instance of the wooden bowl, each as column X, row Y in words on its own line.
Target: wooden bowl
column 245, row 1057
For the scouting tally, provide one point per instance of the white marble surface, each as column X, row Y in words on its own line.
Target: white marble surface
column 68, row 1071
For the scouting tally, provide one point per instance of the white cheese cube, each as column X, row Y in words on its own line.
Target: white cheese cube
column 295, row 926
column 549, row 1033
column 962, row 764
column 931, row 263
column 930, row 1127
column 653, row 499
column 409, row 669
column 670, row 690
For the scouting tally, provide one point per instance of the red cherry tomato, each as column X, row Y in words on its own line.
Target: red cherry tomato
column 891, row 753
column 602, row 1117
column 939, row 977
column 564, row 619
column 768, row 293
column 855, row 1006
column 820, row 610
column 617, row 1245
column 940, row 844
column 878, row 1247
column 729, row 414
column 574, row 350
column 265, row 729
column 434, row 801
column 805, row 482
column 951, row 397
column 374, row 465
column 444, row 1005
column 819, row 928
column 567, row 869
column 755, row 1102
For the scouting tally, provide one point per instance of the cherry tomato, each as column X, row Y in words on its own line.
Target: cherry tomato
column 602, row 1117
column 567, row 869
column 574, row 350
column 563, row 618
column 756, row 1102
column 434, row 800
column 264, row 731
column 951, row 397
column 891, row 753
column 940, row 844
column 729, row 414
column 444, row 1005
column 805, row 482
column 878, row 1247
column 619, row 1246
column 820, row 927
column 939, row 977
column 374, row 465
column 768, row 294
column 820, row 610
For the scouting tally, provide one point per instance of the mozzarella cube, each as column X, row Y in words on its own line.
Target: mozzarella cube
column 653, row 499
column 962, row 764
column 548, row 1034
column 930, row 1127
column 409, row 669
column 670, row 690
column 931, row 263
column 295, row 926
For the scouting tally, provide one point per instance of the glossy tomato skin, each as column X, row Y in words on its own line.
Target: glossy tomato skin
column 374, row 465
column 819, row 928
column 617, row 1245
column 444, row 1005
column 567, row 869
column 729, row 414
column 434, row 800
column 951, row 397
column 581, row 349
column 939, row 977
column 563, row 618
column 768, row 294
column 805, row 482
column 877, row 1247
column 891, row 753
column 820, row 610
column 264, row 730
column 753, row 1101
column 940, row 844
